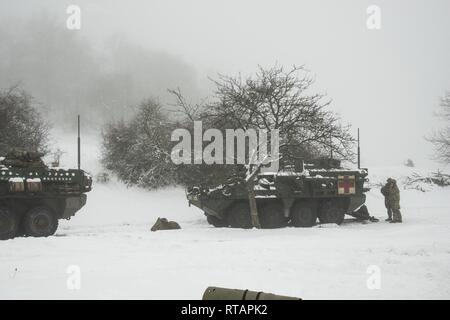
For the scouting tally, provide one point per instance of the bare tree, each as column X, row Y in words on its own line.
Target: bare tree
column 441, row 138
column 275, row 99
column 21, row 125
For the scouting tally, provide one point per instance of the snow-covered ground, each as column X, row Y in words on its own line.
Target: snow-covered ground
column 110, row 242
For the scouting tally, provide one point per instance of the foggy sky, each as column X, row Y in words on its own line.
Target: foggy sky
column 387, row 82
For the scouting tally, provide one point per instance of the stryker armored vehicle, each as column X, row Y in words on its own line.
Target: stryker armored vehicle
column 34, row 197
column 298, row 194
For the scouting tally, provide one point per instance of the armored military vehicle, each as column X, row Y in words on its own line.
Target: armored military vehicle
column 298, row 194
column 34, row 197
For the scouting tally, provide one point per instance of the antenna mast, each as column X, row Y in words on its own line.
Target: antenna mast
column 359, row 153
column 78, row 141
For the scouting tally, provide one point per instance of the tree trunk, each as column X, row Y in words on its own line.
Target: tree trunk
column 253, row 207
column 252, row 199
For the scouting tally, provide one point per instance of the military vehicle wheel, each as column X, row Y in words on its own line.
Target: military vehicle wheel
column 238, row 215
column 304, row 214
column 216, row 222
column 271, row 215
column 331, row 212
column 9, row 223
column 40, row 222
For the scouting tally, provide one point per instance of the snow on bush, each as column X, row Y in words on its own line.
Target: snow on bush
column 426, row 183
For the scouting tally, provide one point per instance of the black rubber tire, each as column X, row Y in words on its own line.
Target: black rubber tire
column 362, row 213
column 331, row 211
column 40, row 222
column 9, row 223
column 304, row 213
column 271, row 215
column 20, row 230
column 238, row 215
column 216, row 222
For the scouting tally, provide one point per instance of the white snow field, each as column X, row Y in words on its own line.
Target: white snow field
column 109, row 242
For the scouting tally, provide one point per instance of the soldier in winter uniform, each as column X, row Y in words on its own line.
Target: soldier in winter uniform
column 391, row 195
column 384, row 192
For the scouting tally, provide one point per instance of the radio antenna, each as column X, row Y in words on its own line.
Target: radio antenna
column 78, row 142
column 359, row 153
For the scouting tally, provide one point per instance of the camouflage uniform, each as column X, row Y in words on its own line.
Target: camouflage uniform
column 384, row 192
column 391, row 195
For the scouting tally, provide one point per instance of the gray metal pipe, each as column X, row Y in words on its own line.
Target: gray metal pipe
column 216, row 293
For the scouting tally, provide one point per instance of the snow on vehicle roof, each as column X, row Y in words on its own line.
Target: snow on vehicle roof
column 304, row 173
column 338, row 170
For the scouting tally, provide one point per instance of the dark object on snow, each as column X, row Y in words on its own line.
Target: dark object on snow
column 363, row 214
column 102, row 177
column 298, row 194
column 164, row 224
column 409, row 163
column 33, row 197
column 216, row 293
